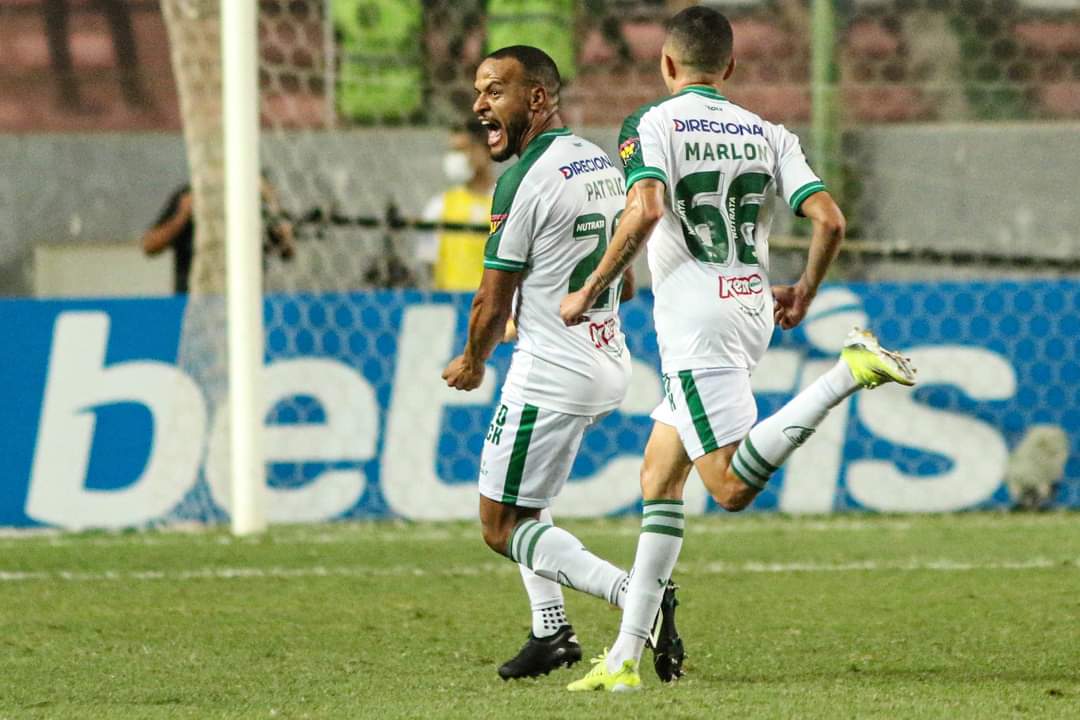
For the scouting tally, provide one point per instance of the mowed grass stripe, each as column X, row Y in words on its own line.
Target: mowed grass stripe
column 627, row 525
column 483, row 569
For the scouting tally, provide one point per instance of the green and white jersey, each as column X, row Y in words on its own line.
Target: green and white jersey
column 709, row 256
column 551, row 220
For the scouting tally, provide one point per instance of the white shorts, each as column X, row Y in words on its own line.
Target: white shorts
column 709, row 408
column 528, row 453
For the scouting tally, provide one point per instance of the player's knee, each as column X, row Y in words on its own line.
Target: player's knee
column 731, row 493
column 496, row 536
column 732, row 500
column 656, row 485
column 726, row 490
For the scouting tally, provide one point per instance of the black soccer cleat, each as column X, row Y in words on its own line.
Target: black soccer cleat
column 539, row 656
column 667, row 646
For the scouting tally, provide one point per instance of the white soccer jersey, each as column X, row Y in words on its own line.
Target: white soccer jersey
column 709, row 256
column 551, row 219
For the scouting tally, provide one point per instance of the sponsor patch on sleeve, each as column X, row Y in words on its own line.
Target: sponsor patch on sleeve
column 628, row 149
column 497, row 221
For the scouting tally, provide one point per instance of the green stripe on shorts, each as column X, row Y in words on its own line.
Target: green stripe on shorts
column 516, row 467
column 697, row 411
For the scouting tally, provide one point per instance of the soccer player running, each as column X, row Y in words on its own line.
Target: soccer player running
column 551, row 218
column 701, row 174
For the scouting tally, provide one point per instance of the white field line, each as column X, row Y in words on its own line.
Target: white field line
column 506, row 568
column 396, row 532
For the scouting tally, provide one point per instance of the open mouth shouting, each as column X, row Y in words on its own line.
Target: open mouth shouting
column 495, row 135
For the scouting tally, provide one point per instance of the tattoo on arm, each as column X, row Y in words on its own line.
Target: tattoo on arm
column 623, row 259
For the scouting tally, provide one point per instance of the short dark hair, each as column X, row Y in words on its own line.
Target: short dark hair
column 703, row 37
column 474, row 129
column 538, row 65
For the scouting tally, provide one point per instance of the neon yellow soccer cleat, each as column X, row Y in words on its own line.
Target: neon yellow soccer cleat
column 872, row 365
column 625, row 679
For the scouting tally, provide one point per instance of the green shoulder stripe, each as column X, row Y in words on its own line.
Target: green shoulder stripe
column 507, row 186
column 633, row 161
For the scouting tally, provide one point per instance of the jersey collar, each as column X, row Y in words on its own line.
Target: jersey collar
column 703, row 90
column 554, row 132
column 541, row 142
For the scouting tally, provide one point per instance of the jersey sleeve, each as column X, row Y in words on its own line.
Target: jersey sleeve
column 795, row 180
column 513, row 220
column 642, row 149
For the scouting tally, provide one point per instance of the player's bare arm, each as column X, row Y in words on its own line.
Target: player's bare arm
column 491, row 309
column 629, row 285
column 161, row 236
column 793, row 301
column 644, row 209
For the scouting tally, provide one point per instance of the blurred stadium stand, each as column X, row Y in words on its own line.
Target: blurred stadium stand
column 991, row 76
column 1029, row 49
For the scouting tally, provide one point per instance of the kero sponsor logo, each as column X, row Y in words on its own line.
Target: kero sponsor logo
column 716, row 126
column 746, row 291
column 578, row 167
column 603, row 334
column 740, row 286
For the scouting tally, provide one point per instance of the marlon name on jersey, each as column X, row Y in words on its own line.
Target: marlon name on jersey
column 725, row 151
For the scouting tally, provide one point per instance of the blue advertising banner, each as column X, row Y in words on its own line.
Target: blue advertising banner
column 103, row 426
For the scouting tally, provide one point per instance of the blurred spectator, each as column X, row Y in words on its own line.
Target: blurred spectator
column 456, row 257
column 118, row 16
column 175, row 228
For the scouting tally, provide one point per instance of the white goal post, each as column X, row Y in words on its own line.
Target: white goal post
column 243, row 233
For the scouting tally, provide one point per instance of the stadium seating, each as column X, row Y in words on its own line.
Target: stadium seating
column 880, row 82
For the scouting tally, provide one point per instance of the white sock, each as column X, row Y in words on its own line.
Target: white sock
column 545, row 597
column 555, row 554
column 657, row 552
column 771, row 441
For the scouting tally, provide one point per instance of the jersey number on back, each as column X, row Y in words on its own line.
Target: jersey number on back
column 586, row 227
column 709, row 221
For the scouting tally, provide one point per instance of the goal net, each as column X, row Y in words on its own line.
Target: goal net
column 945, row 133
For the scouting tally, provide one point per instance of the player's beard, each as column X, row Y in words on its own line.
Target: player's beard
column 514, row 131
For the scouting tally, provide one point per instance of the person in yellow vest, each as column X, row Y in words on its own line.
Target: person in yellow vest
column 456, row 257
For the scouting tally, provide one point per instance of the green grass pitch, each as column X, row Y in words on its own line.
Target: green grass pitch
column 857, row 616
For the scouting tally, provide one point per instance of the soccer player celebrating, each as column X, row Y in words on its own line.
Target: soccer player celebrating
column 701, row 174
column 551, row 218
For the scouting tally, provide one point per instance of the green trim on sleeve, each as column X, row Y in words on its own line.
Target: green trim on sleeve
column 645, row 172
column 508, row 265
column 800, row 195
